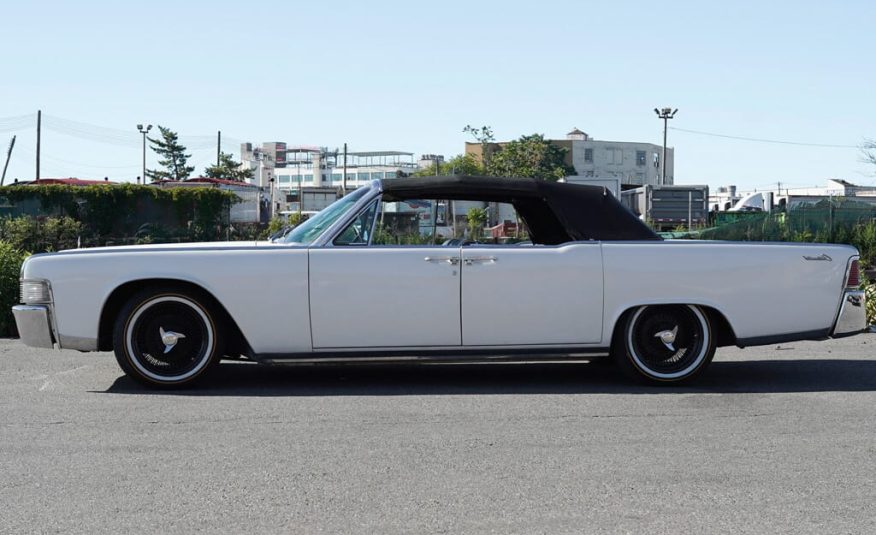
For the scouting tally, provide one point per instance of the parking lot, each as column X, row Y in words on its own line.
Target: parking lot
column 773, row 439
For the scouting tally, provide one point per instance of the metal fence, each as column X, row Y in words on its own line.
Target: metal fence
column 828, row 220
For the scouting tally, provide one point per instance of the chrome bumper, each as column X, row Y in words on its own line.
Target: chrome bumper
column 852, row 317
column 34, row 325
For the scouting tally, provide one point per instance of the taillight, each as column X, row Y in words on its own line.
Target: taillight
column 853, row 279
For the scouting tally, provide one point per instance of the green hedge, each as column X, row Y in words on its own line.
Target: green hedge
column 10, row 268
column 107, row 211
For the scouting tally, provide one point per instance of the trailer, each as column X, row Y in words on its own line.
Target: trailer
column 668, row 207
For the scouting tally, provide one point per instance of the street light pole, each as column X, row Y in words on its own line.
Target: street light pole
column 665, row 114
column 143, row 131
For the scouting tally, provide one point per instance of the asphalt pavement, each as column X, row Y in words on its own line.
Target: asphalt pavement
column 777, row 439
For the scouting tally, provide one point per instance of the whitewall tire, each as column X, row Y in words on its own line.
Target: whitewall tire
column 166, row 338
column 665, row 344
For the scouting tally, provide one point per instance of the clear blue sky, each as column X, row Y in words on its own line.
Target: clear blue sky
column 408, row 76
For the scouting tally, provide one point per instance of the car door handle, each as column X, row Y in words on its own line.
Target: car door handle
column 481, row 260
column 453, row 260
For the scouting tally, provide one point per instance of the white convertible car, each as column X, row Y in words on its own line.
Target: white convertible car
column 355, row 283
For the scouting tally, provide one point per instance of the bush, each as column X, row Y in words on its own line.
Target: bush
column 274, row 225
column 278, row 223
column 10, row 268
column 869, row 287
column 108, row 212
column 41, row 235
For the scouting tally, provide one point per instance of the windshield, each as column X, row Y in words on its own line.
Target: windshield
column 308, row 231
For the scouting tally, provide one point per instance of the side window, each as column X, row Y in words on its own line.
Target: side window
column 448, row 222
column 407, row 222
column 358, row 232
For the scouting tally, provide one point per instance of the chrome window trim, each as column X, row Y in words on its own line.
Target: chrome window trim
column 377, row 214
column 362, row 210
column 326, row 238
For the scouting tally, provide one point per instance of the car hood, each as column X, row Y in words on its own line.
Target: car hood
column 165, row 247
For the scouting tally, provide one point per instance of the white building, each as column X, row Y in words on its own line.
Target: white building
column 630, row 162
column 317, row 167
column 317, row 172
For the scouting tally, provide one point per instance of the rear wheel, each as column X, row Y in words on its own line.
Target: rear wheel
column 665, row 344
column 166, row 338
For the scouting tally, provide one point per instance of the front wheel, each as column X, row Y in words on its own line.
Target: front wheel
column 665, row 344
column 166, row 338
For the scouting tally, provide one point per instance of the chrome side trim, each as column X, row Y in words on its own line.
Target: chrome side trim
column 33, row 325
column 852, row 317
column 451, row 358
column 77, row 343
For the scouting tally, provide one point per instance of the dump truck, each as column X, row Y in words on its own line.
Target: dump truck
column 668, row 207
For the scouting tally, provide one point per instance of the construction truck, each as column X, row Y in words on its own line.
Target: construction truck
column 669, row 207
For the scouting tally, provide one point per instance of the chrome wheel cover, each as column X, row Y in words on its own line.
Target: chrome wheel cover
column 169, row 338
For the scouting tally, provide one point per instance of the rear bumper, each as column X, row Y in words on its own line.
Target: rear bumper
column 34, row 325
column 852, row 318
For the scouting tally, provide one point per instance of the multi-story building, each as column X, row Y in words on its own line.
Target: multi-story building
column 630, row 162
column 317, row 172
column 320, row 167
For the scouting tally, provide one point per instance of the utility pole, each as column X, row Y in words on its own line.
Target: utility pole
column 218, row 147
column 300, row 192
column 39, row 133
column 665, row 114
column 344, row 183
column 271, row 182
column 8, row 155
column 143, row 131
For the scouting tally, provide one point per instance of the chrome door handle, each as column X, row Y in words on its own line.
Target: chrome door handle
column 452, row 260
column 481, row 260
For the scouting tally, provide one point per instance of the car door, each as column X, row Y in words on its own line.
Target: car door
column 536, row 295
column 384, row 297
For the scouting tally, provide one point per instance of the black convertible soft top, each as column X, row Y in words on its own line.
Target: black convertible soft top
column 554, row 212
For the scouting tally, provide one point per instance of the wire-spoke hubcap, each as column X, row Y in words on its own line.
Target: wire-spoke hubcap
column 668, row 341
column 169, row 338
column 668, row 337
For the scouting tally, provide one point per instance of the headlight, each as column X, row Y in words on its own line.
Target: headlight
column 35, row 292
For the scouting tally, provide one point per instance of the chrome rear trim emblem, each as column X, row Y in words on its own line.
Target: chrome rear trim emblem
column 819, row 258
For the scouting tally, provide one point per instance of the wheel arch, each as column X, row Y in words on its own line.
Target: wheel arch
column 236, row 341
column 722, row 331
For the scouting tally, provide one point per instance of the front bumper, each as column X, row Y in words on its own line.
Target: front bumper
column 34, row 325
column 852, row 318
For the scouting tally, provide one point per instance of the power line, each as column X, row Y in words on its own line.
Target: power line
column 17, row 123
column 92, row 132
column 761, row 140
column 62, row 160
column 102, row 134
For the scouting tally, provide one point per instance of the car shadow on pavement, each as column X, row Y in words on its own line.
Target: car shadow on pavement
column 768, row 376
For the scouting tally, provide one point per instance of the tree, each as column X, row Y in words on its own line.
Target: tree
column 228, row 169
column 868, row 151
column 173, row 154
column 461, row 164
column 477, row 218
column 484, row 135
column 530, row 157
